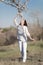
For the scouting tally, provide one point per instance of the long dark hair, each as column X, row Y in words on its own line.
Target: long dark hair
column 25, row 23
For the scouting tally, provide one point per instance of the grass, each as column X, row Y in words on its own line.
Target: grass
column 9, row 54
column 8, row 51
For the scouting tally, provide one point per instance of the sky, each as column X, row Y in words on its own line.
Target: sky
column 7, row 13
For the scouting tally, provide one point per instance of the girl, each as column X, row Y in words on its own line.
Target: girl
column 22, row 33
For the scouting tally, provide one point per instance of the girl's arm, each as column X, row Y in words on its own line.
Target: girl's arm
column 15, row 22
column 15, row 19
column 28, row 34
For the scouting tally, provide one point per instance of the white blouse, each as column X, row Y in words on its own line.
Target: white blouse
column 22, row 32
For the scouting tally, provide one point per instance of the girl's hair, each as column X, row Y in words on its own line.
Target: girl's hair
column 25, row 23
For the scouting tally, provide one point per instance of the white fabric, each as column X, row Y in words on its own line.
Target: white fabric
column 22, row 38
column 15, row 22
column 22, row 31
column 23, row 49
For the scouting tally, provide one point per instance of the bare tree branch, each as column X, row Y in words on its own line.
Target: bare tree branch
column 21, row 6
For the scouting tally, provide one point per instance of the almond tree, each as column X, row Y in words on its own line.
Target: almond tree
column 20, row 5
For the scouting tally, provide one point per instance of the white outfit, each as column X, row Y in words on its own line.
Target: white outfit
column 22, row 38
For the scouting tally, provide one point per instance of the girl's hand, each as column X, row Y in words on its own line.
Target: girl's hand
column 33, row 40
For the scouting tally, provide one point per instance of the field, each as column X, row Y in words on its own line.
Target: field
column 10, row 55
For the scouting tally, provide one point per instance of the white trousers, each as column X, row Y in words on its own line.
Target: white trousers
column 23, row 49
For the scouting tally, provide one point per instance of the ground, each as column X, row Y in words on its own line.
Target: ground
column 10, row 55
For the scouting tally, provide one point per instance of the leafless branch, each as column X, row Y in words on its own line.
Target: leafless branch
column 17, row 4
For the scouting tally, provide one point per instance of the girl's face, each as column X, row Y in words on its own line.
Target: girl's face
column 22, row 22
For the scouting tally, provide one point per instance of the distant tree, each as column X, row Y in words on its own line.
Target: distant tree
column 36, row 29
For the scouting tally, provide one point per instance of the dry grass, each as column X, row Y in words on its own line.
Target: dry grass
column 9, row 55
